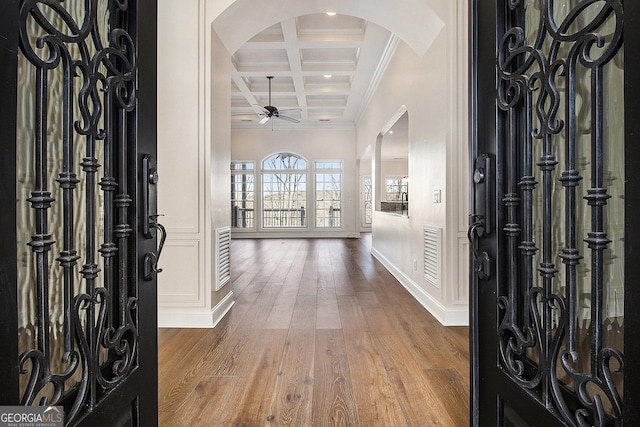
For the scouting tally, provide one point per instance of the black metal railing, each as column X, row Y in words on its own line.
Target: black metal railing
column 242, row 217
column 284, row 217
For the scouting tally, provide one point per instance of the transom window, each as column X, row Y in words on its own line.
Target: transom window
column 328, row 194
column 284, row 191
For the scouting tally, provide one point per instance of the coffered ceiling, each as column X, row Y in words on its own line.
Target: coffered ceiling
column 325, row 68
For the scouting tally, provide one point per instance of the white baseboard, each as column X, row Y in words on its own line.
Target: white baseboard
column 447, row 316
column 195, row 318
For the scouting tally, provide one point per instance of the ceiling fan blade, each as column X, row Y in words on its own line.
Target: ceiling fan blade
column 290, row 110
column 287, row 118
column 262, row 109
column 264, row 120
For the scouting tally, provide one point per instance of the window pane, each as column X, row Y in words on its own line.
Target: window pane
column 367, row 200
column 394, row 189
column 284, row 192
column 282, row 161
column 242, row 200
column 329, row 165
column 242, row 166
column 328, row 198
column 284, row 200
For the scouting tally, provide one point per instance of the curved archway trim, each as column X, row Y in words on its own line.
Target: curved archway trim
column 413, row 21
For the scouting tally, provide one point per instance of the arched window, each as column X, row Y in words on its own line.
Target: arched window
column 284, row 191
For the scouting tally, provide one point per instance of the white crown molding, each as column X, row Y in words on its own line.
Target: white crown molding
column 385, row 60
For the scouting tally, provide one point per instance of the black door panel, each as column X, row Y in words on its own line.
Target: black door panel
column 551, row 319
column 78, row 111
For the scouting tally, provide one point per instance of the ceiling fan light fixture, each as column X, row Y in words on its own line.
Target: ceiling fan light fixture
column 264, row 120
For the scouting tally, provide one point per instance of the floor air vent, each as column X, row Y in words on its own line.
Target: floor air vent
column 432, row 251
column 223, row 259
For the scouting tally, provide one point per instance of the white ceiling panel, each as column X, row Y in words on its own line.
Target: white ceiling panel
column 329, row 56
column 260, row 57
column 324, row 24
column 328, row 66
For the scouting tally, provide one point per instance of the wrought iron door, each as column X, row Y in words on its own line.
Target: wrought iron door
column 78, row 256
column 553, row 228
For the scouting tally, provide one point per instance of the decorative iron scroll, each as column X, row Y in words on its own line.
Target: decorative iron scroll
column 94, row 99
column 538, row 82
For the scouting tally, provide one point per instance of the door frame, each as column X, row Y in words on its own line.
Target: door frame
column 485, row 29
column 9, row 11
column 632, row 224
column 142, row 382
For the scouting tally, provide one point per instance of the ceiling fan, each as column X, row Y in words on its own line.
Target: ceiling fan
column 270, row 111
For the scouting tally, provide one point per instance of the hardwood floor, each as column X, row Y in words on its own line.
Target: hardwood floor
column 321, row 335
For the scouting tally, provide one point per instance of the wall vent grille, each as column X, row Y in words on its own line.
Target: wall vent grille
column 223, row 256
column 432, row 252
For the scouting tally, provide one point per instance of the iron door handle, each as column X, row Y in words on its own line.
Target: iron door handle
column 481, row 260
column 150, row 217
column 480, row 219
column 482, row 182
column 149, row 181
column 151, row 258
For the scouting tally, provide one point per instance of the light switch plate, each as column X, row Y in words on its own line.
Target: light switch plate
column 437, row 196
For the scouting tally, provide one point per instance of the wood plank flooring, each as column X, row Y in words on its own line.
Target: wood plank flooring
column 321, row 335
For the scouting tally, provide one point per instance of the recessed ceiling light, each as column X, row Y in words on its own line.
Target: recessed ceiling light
column 391, row 132
column 331, row 13
column 327, row 76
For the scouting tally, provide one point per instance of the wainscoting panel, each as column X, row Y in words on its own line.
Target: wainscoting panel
column 179, row 284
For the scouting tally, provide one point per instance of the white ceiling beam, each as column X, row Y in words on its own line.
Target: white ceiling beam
column 312, row 44
column 319, row 72
column 290, row 34
column 244, row 90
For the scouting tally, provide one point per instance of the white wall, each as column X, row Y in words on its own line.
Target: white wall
column 312, row 144
column 432, row 87
column 188, row 153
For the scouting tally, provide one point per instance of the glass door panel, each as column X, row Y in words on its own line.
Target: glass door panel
column 560, row 99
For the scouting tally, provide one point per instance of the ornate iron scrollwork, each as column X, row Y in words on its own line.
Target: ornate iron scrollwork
column 98, row 69
column 537, row 81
